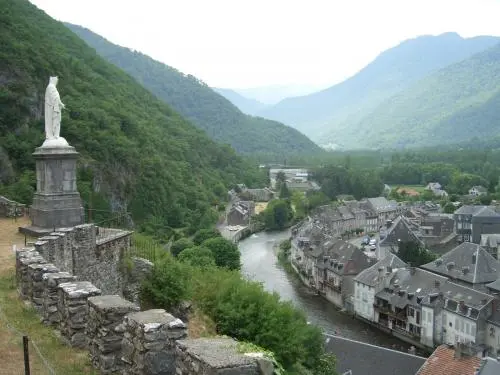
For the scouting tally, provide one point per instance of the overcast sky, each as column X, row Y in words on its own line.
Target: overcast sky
column 250, row 43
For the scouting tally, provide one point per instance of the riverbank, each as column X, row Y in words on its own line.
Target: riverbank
column 283, row 256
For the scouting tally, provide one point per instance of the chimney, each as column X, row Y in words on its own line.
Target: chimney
column 437, row 284
column 450, row 265
column 465, row 270
column 474, row 257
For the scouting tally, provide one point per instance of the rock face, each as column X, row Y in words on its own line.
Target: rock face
column 50, row 309
column 149, row 342
column 74, row 310
column 214, row 356
column 105, row 331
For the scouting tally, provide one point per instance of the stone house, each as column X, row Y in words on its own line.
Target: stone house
column 493, row 323
column 240, row 213
column 477, row 191
column 336, row 269
column 433, row 186
column 401, row 230
column 371, row 281
column 382, row 208
column 473, row 221
column 468, row 264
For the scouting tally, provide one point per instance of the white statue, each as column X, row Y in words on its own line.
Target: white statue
column 53, row 108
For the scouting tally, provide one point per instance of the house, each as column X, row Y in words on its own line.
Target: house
column 341, row 261
column 446, row 360
column 491, row 243
column 436, row 189
column 400, row 230
column 478, row 190
column 291, row 174
column 473, row 221
column 240, row 213
column 469, row 264
column 261, row 195
column 371, row 281
column 359, row 358
column 493, row 323
column 382, row 208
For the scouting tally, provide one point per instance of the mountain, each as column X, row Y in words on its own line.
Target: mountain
column 270, row 95
column 451, row 105
column 244, row 104
column 199, row 103
column 325, row 115
column 136, row 152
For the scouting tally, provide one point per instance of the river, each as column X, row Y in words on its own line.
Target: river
column 260, row 263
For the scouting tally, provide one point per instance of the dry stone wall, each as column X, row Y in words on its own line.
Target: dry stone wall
column 120, row 338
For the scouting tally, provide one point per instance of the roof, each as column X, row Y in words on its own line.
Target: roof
column 468, row 262
column 495, row 285
column 343, row 258
column 364, row 359
column 473, row 210
column 400, row 230
column 370, row 275
column 480, row 188
column 486, row 212
column 443, row 362
column 381, row 204
column 490, row 240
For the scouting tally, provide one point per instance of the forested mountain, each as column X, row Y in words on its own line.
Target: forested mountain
column 200, row 104
column 452, row 105
column 329, row 112
column 136, row 152
column 244, row 104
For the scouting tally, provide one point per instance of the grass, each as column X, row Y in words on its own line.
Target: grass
column 417, row 188
column 17, row 318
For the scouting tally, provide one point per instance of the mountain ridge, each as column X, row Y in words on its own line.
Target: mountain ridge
column 205, row 108
column 392, row 70
column 246, row 105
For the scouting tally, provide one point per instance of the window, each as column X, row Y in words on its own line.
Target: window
column 462, row 326
column 467, row 328
column 457, row 327
column 473, row 330
column 424, row 315
column 429, row 317
column 411, row 312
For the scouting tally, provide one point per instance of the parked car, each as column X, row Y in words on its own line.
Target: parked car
column 373, row 247
column 365, row 240
column 373, row 242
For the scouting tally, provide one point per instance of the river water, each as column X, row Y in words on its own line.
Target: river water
column 260, row 263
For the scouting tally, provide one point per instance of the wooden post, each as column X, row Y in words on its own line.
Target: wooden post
column 26, row 356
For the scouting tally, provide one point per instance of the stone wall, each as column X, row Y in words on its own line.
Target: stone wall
column 10, row 208
column 90, row 253
column 119, row 337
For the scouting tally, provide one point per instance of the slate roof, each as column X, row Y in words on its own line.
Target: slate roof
column 458, row 264
column 443, row 362
column 400, row 230
column 381, row 204
column 370, row 275
column 490, row 240
column 495, row 285
column 367, row 359
column 351, row 259
column 486, row 212
column 468, row 210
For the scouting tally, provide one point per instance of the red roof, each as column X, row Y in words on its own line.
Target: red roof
column 443, row 362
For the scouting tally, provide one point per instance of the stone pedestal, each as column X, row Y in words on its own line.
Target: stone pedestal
column 56, row 203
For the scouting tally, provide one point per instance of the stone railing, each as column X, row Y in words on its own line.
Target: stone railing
column 120, row 338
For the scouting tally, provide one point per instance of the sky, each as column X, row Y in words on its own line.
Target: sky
column 253, row 43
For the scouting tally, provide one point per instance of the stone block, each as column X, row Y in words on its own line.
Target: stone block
column 148, row 345
column 23, row 259
column 105, row 331
column 36, row 288
column 218, row 356
column 73, row 309
column 50, row 308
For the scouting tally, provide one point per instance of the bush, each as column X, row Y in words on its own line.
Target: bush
column 197, row 256
column 205, row 234
column 225, row 252
column 180, row 245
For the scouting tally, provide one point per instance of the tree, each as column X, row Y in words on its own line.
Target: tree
column 226, row 253
column 204, row 234
column 280, row 179
column 179, row 245
column 197, row 256
column 411, row 252
column 277, row 214
column 449, row 208
column 284, row 191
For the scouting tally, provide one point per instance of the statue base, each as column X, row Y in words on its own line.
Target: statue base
column 57, row 202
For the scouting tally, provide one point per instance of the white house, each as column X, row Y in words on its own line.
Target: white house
column 478, row 190
column 372, row 280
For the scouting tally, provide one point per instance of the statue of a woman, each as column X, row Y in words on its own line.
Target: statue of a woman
column 53, row 107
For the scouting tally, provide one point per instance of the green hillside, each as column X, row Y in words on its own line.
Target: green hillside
column 203, row 106
column 244, row 104
column 136, row 151
column 452, row 105
column 326, row 115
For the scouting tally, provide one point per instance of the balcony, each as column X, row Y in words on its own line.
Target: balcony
column 400, row 315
